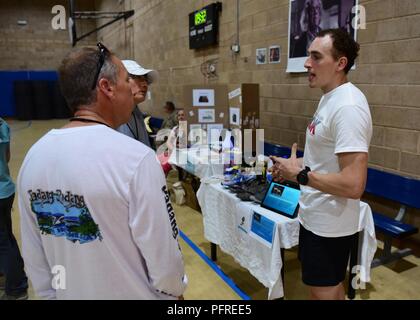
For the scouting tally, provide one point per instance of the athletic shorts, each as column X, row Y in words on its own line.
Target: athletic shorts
column 324, row 260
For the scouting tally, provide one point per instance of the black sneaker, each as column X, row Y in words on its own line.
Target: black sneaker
column 19, row 296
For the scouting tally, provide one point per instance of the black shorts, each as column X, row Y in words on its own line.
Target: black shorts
column 324, row 260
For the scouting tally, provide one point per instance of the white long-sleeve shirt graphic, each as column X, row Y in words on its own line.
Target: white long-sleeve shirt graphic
column 95, row 202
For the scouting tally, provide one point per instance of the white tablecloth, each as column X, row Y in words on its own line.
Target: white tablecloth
column 227, row 223
column 201, row 162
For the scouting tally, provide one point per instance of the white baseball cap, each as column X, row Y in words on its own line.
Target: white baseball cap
column 137, row 70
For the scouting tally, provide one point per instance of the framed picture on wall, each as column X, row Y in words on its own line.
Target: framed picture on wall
column 203, row 98
column 214, row 131
column 234, row 116
column 308, row 17
column 274, row 56
column 261, row 56
column 206, row 116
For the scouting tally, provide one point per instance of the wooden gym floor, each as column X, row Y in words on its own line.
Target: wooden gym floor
column 399, row 280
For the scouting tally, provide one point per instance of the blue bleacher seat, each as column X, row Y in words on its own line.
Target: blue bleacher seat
column 402, row 190
column 392, row 227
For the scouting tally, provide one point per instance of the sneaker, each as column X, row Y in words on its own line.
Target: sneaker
column 19, row 296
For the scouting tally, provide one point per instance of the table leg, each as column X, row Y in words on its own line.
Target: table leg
column 282, row 270
column 213, row 248
column 351, row 294
column 181, row 174
column 282, row 267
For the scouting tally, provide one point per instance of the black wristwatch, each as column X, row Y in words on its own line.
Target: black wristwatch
column 302, row 176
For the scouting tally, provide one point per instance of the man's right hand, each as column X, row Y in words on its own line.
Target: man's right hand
column 287, row 168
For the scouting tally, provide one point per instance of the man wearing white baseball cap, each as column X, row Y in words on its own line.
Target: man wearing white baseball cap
column 140, row 79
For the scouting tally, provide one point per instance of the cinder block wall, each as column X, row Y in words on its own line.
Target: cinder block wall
column 388, row 70
column 36, row 46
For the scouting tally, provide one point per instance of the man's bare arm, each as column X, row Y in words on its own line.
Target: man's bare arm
column 350, row 182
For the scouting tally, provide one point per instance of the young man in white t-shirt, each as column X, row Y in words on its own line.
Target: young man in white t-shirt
column 333, row 171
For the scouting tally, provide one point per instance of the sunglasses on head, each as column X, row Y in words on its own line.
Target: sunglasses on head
column 103, row 52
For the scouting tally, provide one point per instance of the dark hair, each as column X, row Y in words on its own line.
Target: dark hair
column 343, row 45
column 76, row 76
column 170, row 105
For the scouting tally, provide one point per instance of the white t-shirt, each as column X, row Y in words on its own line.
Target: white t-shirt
column 95, row 202
column 342, row 123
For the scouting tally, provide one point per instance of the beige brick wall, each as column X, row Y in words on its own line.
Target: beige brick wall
column 388, row 70
column 35, row 46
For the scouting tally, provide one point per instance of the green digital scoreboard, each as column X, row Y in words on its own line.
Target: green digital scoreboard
column 204, row 26
column 200, row 17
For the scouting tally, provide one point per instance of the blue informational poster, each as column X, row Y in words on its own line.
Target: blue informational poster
column 263, row 227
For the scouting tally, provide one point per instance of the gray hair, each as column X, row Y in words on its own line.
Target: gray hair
column 109, row 71
column 76, row 76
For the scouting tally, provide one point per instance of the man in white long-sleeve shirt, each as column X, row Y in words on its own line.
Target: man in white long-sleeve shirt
column 96, row 218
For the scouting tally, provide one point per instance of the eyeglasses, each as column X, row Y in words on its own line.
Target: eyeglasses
column 141, row 79
column 103, row 52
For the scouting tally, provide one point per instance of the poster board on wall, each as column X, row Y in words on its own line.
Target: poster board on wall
column 308, row 17
column 206, row 104
column 244, row 104
column 244, row 111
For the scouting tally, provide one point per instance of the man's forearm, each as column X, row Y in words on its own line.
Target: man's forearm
column 336, row 184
